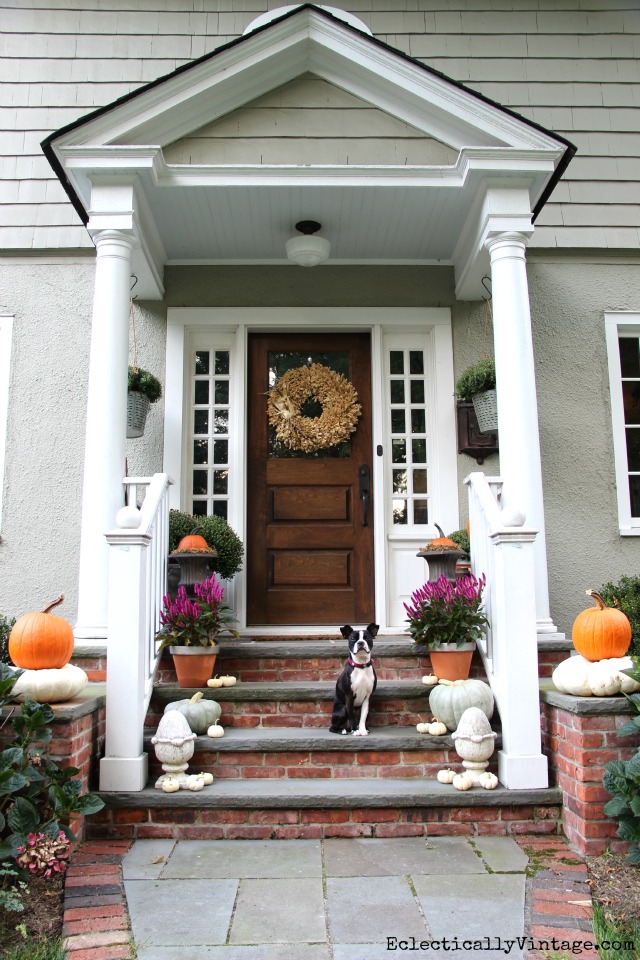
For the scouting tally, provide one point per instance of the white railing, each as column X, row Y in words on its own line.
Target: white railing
column 138, row 551
column 502, row 548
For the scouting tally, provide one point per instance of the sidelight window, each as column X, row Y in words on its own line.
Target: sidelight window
column 407, row 425
column 210, row 426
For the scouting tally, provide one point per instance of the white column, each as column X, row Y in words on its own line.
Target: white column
column 104, row 461
column 520, row 465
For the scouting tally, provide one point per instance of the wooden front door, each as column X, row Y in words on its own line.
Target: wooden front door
column 310, row 535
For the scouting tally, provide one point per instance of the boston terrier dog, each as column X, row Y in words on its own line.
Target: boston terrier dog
column 355, row 684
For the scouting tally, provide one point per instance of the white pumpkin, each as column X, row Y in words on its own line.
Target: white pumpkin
column 450, row 699
column 422, row 727
column 207, row 778
column 462, row 781
column 430, row 680
column 170, row 785
column 215, row 682
column 603, row 678
column 194, row 783
column 488, row 780
column 51, row 685
column 437, row 729
column 228, row 681
column 446, row 776
column 215, row 731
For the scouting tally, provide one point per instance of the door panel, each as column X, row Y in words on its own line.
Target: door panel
column 309, row 554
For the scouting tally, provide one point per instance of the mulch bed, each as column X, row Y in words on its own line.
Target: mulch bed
column 42, row 915
column 615, row 884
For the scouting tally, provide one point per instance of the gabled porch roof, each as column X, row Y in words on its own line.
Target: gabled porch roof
column 244, row 212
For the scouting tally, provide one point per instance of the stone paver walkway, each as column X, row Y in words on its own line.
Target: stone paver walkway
column 334, row 899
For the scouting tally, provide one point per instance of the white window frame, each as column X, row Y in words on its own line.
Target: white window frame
column 6, row 337
column 617, row 323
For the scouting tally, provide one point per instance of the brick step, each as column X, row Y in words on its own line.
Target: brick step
column 279, row 809
column 316, row 753
column 298, row 704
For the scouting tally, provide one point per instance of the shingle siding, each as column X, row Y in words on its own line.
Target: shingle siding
column 572, row 66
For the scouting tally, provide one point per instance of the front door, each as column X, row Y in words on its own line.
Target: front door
column 310, row 522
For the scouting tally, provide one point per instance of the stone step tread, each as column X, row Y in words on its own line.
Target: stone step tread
column 331, row 794
column 286, row 739
column 314, row 648
column 285, row 690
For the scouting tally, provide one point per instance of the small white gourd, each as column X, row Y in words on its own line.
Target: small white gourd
column 207, row 778
column 215, row 731
column 228, row 681
column 170, row 786
column 214, row 682
column 194, row 783
column 437, row 729
column 422, row 727
column 488, row 780
column 430, row 679
column 462, row 781
column 446, row 776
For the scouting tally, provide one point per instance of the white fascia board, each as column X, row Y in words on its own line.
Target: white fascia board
column 308, row 42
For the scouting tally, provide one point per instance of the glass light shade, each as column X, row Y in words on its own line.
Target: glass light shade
column 308, row 250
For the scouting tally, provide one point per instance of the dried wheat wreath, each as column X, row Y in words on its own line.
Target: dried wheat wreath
column 337, row 396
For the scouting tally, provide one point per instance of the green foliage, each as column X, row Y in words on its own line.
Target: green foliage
column 36, row 795
column 145, row 382
column 45, row 950
column 477, row 379
column 5, row 629
column 216, row 532
column 625, row 594
column 446, row 612
column 617, row 940
column 12, row 889
column 461, row 537
column 622, row 780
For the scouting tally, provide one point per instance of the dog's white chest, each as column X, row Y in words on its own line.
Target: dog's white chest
column 361, row 684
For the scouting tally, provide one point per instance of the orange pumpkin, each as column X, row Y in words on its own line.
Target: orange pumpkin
column 41, row 641
column 442, row 541
column 193, row 541
column 602, row 632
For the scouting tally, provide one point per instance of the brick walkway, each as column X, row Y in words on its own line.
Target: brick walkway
column 96, row 922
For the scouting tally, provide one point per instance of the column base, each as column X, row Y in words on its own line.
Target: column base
column 523, row 773
column 129, row 774
column 545, row 625
column 84, row 631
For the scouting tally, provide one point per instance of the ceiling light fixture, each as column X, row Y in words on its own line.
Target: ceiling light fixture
column 309, row 249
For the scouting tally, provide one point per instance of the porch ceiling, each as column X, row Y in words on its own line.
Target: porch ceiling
column 246, row 212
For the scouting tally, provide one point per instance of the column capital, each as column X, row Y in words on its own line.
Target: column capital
column 500, row 240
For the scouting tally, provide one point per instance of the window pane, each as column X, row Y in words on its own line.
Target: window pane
column 220, row 451
column 200, row 451
column 629, row 356
column 202, row 362
column 220, row 508
column 417, row 421
column 399, row 481
column 200, row 481
column 221, row 391
column 631, row 400
column 417, row 391
column 400, row 511
column 199, row 508
column 220, row 481
column 420, row 511
column 420, row 481
column 201, row 391
column 399, row 451
column 633, row 448
column 397, row 421
column 396, row 361
column 201, row 421
column 634, row 491
column 416, row 362
column 221, row 421
column 397, row 391
column 222, row 362
column 419, row 451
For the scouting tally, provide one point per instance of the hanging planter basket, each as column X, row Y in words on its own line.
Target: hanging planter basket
column 137, row 409
column 486, row 410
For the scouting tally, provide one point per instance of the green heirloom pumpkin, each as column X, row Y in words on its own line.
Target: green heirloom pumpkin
column 449, row 699
column 199, row 714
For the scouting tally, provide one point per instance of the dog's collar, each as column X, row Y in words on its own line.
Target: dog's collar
column 354, row 663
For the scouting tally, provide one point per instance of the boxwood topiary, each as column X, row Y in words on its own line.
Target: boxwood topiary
column 144, row 382
column 461, row 537
column 625, row 594
column 216, row 532
column 476, row 379
column 5, row 629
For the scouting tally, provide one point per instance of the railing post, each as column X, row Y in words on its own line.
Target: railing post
column 521, row 763
column 125, row 765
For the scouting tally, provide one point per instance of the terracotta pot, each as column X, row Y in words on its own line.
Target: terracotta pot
column 450, row 662
column 194, row 665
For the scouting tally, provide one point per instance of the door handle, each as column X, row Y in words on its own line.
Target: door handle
column 364, row 486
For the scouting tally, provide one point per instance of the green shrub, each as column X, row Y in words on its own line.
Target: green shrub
column 622, row 780
column 477, row 379
column 145, row 382
column 461, row 537
column 626, row 595
column 218, row 535
column 5, row 629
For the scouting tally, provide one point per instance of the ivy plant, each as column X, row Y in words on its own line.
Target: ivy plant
column 622, row 780
column 36, row 794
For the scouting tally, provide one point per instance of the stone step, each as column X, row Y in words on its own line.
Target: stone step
column 307, row 808
column 298, row 704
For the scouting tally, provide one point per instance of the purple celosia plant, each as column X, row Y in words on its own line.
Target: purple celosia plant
column 196, row 621
column 44, row 856
column 446, row 612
